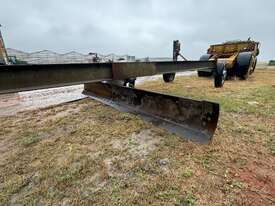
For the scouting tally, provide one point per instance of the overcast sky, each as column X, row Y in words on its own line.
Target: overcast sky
column 136, row 27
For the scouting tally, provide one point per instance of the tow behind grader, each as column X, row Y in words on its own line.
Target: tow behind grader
column 239, row 58
column 112, row 83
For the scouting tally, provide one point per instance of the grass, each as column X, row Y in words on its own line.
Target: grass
column 190, row 199
column 271, row 145
column 14, row 184
column 99, row 156
column 258, row 101
column 30, row 138
column 187, row 173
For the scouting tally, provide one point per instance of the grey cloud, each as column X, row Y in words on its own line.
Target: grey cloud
column 140, row 27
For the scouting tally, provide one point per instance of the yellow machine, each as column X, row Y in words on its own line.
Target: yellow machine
column 238, row 57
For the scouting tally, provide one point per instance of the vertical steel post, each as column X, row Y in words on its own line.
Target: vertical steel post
column 169, row 77
column 3, row 52
column 176, row 50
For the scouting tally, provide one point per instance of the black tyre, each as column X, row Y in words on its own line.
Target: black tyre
column 169, row 77
column 257, row 52
column 130, row 82
column 254, row 66
column 220, row 75
column 244, row 65
column 203, row 73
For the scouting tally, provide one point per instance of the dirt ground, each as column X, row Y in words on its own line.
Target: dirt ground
column 11, row 104
column 86, row 153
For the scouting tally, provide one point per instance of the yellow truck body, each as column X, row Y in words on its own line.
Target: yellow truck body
column 239, row 57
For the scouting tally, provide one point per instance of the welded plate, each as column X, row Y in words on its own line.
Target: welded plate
column 191, row 119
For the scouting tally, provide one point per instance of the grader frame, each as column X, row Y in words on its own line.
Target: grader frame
column 192, row 119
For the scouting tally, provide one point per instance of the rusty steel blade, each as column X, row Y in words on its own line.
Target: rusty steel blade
column 191, row 119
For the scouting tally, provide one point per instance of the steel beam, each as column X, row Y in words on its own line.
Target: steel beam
column 15, row 78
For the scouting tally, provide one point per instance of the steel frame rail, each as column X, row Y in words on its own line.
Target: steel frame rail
column 16, row 78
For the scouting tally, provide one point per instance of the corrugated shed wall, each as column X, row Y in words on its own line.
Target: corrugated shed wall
column 50, row 57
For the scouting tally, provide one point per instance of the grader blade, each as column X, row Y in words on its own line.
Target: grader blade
column 191, row 119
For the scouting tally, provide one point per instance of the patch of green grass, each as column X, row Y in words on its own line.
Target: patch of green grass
column 271, row 145
column 62, row 121
column 262, row 128
column 258, row 101
column 230, row 104
column 10, row 187
column 116, row 189
column 34, row 202
column 132, row 142
column 205, row 161
column 125, row 116
column 178, row 198
column 187, row 173
column 15, row 184
column 29, row 198
column 172, row 195
column 183, row 93
column 30, row 138
column 190, row 199
column 236, row 184
column 65, row 177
